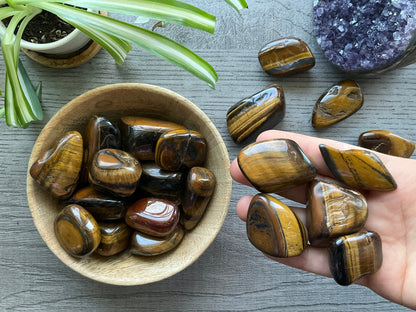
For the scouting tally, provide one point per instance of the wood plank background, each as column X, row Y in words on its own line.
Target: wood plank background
column 232, row 275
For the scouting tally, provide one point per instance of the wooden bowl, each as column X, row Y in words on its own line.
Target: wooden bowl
column 114, row 101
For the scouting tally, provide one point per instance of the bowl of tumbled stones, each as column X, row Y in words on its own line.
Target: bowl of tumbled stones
column 129, row 184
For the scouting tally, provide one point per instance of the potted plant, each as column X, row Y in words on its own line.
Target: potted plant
column 22, row 99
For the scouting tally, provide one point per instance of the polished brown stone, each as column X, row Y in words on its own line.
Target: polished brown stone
column 180, row 149
column 275, row 165
column 200, row 186
column 386, row 142
column 115, row 238
column 58, row 169
column 273, row 228
column 252, row 115
column 354, row 256
column 337, row 103
column 286, row 56
column 333, row 211
column 156, row 217
column 140, row 135
column 146, row 245
column 77, row 231
column 115, row 171
column 358, row 169
column 102, row 206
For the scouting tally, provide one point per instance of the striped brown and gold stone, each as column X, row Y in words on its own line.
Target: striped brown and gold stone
column 359, row 169
column 386, row 142
column 58, row 169
column 254, row 114
column 275, row 165
column 354, row 256
column 273, row 228
column 115, row 238
column 333, row 211
column 286, row 56
column 340, row 101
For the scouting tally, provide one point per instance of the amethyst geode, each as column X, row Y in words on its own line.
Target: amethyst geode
column 366, row 35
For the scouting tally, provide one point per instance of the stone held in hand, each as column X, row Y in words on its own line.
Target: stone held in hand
column 354, row 256
column 254, row 114
column 58, row 169
column 340, row 101
column 333, row 211
column 286, row 56
column 358, row 169
column 275, row 165
column 273, row 228
column 384, row 141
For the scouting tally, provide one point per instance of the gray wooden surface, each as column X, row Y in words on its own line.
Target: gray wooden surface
column 232, row 275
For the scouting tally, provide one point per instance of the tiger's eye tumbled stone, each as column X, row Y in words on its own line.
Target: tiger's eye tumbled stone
column 102, row 206
column 180, row 149
column 100, row 134
column 333, row 211
column 339, row 102
column 146, row 245
column 286, row 56
column 140, row 135
column 354, row 256
column 275, row 165
column 358, row 169
column 115, row 171
column 386, row 142
column 115, row 238
column 58, row 169
column 273, row 228
column 156, row 217
column 77, row 231
column 200, row 187
column 259, row 112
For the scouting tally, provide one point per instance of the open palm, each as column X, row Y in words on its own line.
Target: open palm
column 391, row 214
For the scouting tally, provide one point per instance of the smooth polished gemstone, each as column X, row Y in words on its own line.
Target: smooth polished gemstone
column 386, row 142
column 354, row 256
column 358, row 169
column 102, row 206
column 333, row 211
column 252, row 115
column 146, row 245
column 200, row 186
column 180, row 149
column 100, row 134
column 273, row 228
column 115, row 238
column 140, row 135
column 337, row 103
column 58, row 169
column 286, row 56
column 77, row 231
column 275, row 165
column 156, row 217
column 115, row 171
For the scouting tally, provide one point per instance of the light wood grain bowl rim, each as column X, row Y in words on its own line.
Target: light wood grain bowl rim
column 126, row 269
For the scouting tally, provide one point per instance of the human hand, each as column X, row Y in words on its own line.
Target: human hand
column 391, row 214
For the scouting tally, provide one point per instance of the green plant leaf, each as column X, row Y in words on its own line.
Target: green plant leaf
column 2, row 112
column 32, row 96
column 237, row 4
column 171, row 11
column 159, row 45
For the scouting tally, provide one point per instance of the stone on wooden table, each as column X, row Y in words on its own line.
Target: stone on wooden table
column 386, row 142
column 252, row 115
column 115, row 238
column 333, row 211
column 273, row 228
column 358, row 169
column 337, row 103
column 285, row 56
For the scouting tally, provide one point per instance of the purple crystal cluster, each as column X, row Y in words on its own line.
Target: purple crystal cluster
column 364, row 35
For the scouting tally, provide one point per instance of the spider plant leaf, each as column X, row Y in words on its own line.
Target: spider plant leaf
column 30, row 93
column 159, row 45
column 171, row 11
column 237, row 4
column 2, row 112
